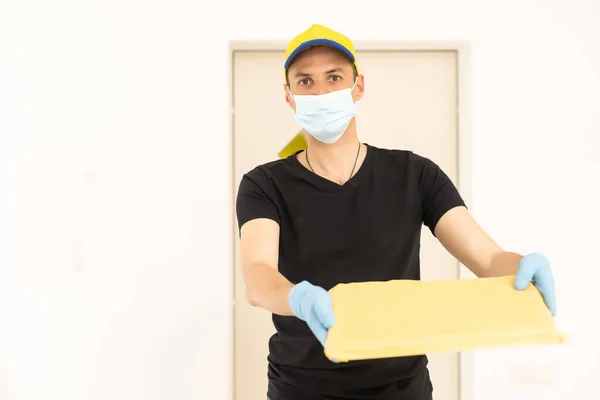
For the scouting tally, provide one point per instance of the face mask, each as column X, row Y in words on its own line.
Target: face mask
column 325, row 116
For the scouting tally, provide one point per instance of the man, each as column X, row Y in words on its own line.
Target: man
column 343, row 211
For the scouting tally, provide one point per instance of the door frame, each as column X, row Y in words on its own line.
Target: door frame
column 466, row 370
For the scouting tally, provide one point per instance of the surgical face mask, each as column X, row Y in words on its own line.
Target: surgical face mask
column 327, row 116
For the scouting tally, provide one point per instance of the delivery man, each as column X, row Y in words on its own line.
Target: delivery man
column 344, row 211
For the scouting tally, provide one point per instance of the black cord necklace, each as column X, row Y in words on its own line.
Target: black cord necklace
column 353, row 167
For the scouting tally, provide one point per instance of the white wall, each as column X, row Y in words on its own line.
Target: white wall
column 114, row 153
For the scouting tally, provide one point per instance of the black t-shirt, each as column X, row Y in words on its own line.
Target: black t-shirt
column 367, row 229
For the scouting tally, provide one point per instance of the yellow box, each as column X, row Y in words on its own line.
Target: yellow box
column 407, row 317
column 296, row 144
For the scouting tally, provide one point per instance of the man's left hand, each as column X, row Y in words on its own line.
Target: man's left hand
column 536, row 268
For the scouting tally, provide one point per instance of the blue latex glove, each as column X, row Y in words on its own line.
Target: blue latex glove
column 536, row 267
column 313, row 305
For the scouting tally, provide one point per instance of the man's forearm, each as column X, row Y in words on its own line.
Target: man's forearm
column 267, row 288
column 501, row 264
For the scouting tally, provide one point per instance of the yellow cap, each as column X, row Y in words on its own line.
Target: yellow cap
column 319, row 35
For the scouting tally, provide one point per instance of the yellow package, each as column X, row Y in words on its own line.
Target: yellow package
column 296, row 144
column 406, row 317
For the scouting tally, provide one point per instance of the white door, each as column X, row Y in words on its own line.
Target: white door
column 410, row 102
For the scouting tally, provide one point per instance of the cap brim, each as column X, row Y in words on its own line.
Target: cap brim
column 315, row 42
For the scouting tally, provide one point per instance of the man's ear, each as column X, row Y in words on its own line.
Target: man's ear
column 288, row 98
column 359, row 89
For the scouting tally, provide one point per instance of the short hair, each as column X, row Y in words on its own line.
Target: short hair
column 287, row 78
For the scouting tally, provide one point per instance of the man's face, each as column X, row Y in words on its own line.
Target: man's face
column 321, row 70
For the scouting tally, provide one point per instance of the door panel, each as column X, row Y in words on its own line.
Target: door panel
column 410, row 102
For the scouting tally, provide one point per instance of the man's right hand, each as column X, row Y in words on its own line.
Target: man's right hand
column 313, row 305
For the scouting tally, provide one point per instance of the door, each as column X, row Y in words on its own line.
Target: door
column 410, row 102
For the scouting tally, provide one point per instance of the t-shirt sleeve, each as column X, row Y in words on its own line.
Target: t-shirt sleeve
column 438, row 193
column 255, row 199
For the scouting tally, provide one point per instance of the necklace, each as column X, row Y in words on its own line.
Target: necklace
column 353, row 167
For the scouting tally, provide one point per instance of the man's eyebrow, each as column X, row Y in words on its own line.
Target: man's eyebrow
column 302, row 74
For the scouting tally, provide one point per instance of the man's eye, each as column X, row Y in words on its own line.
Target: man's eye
column 335, row 78
column 303, row 82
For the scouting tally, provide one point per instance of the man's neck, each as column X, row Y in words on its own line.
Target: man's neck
column 334, row 161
